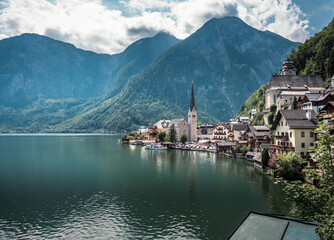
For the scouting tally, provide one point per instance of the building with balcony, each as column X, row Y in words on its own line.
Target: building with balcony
column 316, row 101
column 294, row 131
column 222, row 132
column 258, row 135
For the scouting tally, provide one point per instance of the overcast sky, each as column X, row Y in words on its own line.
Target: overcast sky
column 109, row 26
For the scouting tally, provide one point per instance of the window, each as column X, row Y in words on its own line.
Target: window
column 302, row 154
column 286, row 123
column 193, row 115
column 302, row 134
column 277, row 133
column 290, row 134
column 311, row 134
column 311, row 144
column 303, row 145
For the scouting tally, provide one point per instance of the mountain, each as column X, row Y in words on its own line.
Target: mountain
column 44, row 82
column 314, row 57
column 137, row 56
column 226, row 59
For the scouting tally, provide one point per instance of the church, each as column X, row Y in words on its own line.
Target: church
column 192, row 117
column 287, row 84
column 182, row 126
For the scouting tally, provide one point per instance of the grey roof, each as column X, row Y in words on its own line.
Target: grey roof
column 192, row 98
column 324, row 96
column 313, row 96
column 226, row 144
column 206, row 125
column 330, row 90
column 281, row 81
column 260, row 131
column 239, row 127
column 224, row 124
column 266, row 226
column 176, row 122
column 297, row 119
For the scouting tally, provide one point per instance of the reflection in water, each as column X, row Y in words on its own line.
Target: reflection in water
column 75, row 187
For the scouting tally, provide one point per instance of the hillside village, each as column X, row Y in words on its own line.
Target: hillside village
column 293, row 104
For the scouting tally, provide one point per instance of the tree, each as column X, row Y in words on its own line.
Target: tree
column 183, row 138
column 244, row 150
column 162, row 136
column 290, row 166
column 272, row 113
column 265, row 157
column 172, row 136
column 294, row 103
column 316, row 203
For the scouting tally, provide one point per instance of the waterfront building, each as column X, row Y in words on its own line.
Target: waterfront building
column 257, row 136
column 294, row 131
column 222, row 131
column 192, row 117
column 181, row 127
column 204, row 131
column 239, row 132
column 152, row 133
column 162, row 125
column 284, row 87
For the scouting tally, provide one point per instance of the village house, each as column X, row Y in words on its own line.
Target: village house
column 258, row 135
column 222, row 132
column 316, row 101
column 204, row 132
column 152, row 133
column 284, row 87
column 239, row 133
column 162, row 125
column 294, row 131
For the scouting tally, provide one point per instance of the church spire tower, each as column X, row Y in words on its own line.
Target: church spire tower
column 192, row 116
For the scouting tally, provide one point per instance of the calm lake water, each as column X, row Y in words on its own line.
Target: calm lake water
column 93, row 187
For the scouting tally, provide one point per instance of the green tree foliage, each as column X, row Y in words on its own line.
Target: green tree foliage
column 183, row 138
column 272, row 114
column 255, row 101
column 317, row 203
column 316, row 55
column 172, row 136
column 294, row 103
column 265, row 157
column 161, row 136
column 290, row 166
column 244, row 150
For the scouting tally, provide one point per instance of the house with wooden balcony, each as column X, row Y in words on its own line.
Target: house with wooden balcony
column 222, row 131
column 258, row 135
column 294, row 130
column 316, row 101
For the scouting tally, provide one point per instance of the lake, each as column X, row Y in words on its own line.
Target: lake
column 93, row 187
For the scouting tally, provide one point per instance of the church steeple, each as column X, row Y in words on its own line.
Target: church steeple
column 192, row 98
column 192, row 116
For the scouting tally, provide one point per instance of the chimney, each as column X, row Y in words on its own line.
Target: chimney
column 308, row 115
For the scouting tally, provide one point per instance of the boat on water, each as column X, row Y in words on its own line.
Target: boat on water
column 155, row 147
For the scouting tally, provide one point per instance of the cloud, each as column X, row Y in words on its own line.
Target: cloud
column 92, row 25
